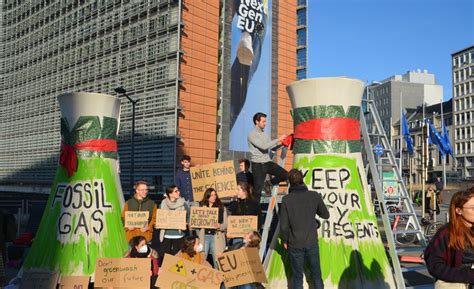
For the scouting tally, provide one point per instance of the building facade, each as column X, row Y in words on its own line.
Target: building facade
column 399, row 92
column 174, row 57
column 302, row 39
column 463, row 95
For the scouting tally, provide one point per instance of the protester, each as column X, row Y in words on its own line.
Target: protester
column 244, row 176
column 192, row 250
column 172, row 239
column 449, row 256
column 214, row 239
column 140, row 249
column 244, row 205
column 250, row 240
column 439, row 189
column 183, row 179
column 140, row 202
column 259, row 144
column 299, row 226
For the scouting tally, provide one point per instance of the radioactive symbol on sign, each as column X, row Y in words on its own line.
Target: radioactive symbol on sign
column 178, row 269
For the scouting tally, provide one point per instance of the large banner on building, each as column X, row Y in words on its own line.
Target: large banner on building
column 251, row 69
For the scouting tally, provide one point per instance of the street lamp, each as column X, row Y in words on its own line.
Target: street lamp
column 121, row 91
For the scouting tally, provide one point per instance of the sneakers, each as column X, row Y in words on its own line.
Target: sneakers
column 244, row 49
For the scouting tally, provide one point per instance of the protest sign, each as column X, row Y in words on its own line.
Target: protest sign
column 241, row 266
column 177, row 272
column 238, row 226
column 37, row 279
column 74, row 282
column 170, row 219
column 123, row 272
column 220, row 176
column 136, row 219
column 204, row 217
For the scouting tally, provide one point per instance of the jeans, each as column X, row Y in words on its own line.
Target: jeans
column 297, row 259
column 209, row 246
column 260, row 171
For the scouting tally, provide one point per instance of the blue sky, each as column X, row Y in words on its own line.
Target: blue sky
column 375, row 39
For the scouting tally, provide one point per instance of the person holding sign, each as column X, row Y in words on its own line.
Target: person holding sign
column 140, row 202
column 214, row 239
column 140, row 249
column 259, row 143
column 192, row 250
column 299, row 226
column 244, row 205
column 250, row 240
column 172, row 239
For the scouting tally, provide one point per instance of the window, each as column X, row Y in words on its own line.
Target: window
column 301, row 57
column 301, row 16
column 301, row 2
column 301, row 74
column 301, row 36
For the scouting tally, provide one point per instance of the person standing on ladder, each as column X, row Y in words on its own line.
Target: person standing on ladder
column 259, row 145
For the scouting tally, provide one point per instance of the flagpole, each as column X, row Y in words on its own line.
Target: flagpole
column 444, row 156
column 423, row 160
column 401, row 132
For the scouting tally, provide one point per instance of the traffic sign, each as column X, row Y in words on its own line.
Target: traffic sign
column 378, row 149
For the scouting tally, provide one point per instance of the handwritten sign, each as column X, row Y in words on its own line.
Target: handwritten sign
column 74, row 282
column 36, row 279
column 241, row 266
column 122, row 272
column 204, row 217
column 177, row 272
column 136, row 219
column 170, row 219
column 238, row 226
column 220, row 176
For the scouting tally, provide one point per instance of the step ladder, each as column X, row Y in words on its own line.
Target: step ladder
column 377, row 136
column 272, row 206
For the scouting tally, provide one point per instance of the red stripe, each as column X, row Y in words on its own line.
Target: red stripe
column 98, row 145
column 329, row 129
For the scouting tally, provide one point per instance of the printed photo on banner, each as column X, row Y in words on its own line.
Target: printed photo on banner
column 203, row 217
column 238, row 226
column 220, row 176
column 241, row 267
column 170, row 219
column 177, row 272
column 122, row 272
column 136, row 219
column 251, row 67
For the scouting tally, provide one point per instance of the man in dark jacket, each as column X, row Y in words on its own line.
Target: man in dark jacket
column 298, row 226
column 183, row 179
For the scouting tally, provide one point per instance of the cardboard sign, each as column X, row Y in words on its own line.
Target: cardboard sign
column 204, row 217
column 238, row 226
column 177, row 272
column 36, row 279
column 123, row 272
column 220, row 176
column 170, row 219
column 241, row 266
column 74, row 282
column 136, row 219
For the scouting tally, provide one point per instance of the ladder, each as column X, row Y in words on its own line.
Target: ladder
column 272, row 206
column 377, row 136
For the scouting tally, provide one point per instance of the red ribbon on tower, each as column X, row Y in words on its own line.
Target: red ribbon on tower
column 68, row 155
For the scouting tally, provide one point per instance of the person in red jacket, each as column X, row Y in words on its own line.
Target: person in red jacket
column 450, row 254
column 140, row 249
